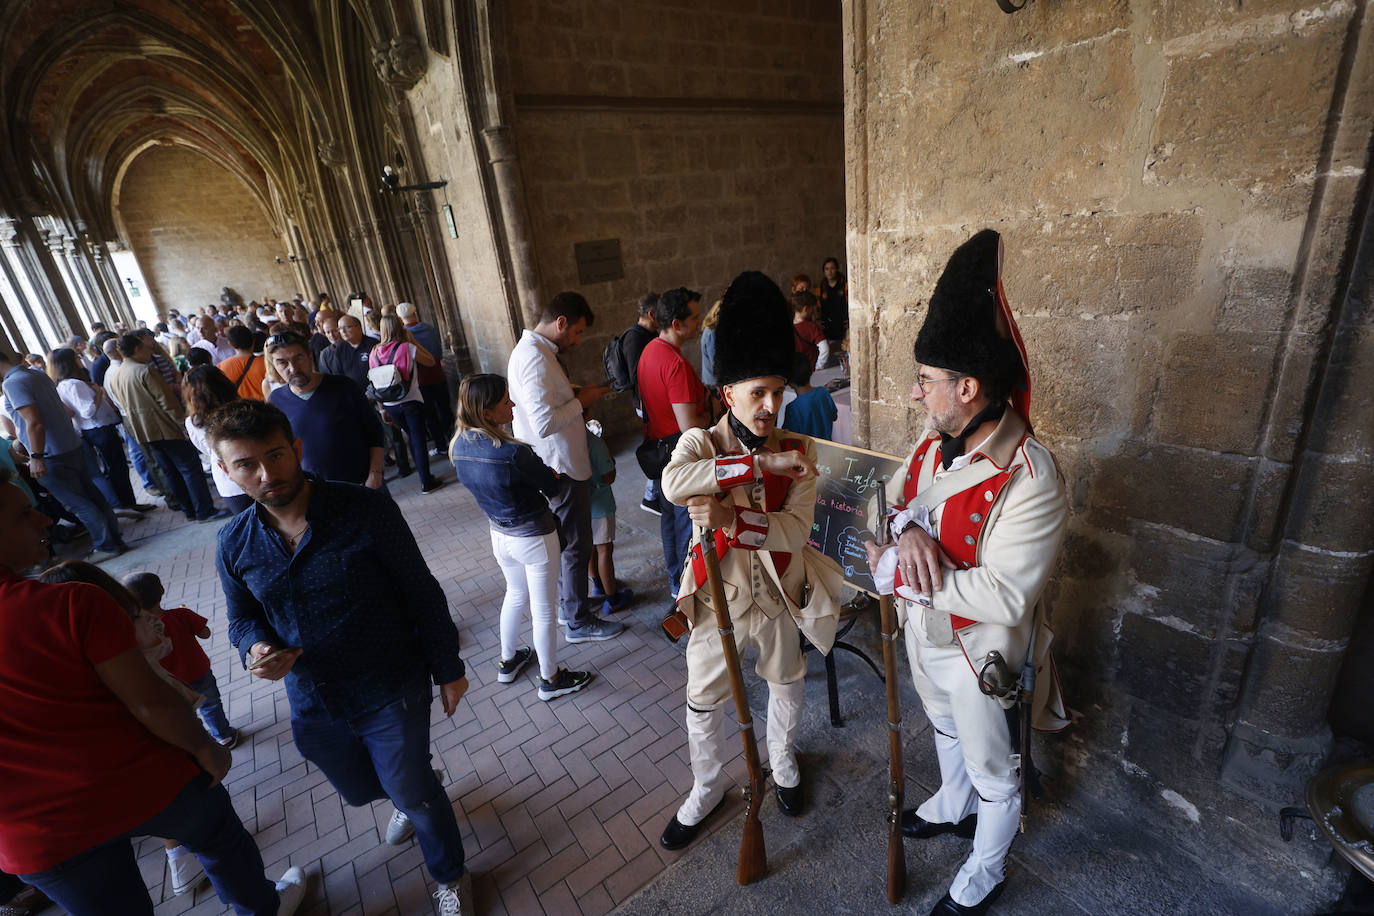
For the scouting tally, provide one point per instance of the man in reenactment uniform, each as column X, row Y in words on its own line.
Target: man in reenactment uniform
column 755, row 487
column 978, row 519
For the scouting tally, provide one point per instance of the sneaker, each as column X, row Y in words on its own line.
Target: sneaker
column 620, row 600
column 290, row 891
column 399, row 828
column 128, row 515
column 650, row 506
column 230, row 740
column 508, row 670
column 595, row 631
column 100, row 556
column 437, row 453
column 143, row 507
column 594, row 589
column 564, row 682
column 187, row 872
column 455, row 898
column 215, row 516
column 435, row 484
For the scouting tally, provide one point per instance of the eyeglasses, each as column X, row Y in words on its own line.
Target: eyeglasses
column 922, row 382
column 285, row 339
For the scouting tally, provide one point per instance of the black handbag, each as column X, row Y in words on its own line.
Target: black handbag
column 653, row 455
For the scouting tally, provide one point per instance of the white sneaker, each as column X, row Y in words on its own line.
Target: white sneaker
column 399, row 829
column 455, row 898
column 186, row 871
column 290, row 891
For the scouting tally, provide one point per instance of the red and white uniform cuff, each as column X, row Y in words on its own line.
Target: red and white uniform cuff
column 734, row 470
column 751, row 528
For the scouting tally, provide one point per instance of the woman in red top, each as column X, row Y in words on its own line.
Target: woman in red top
column 95, row 748
column 809, row 338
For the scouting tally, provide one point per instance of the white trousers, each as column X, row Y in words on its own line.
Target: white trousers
column 977, row 773
column 530, row 565
column 709, row 749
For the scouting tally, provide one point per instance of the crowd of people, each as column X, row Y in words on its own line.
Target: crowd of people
column 295, row 411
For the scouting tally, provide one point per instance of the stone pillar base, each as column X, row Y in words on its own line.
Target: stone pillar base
column 1272, row 770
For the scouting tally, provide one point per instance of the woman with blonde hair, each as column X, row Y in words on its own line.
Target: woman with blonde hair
column 512, row 487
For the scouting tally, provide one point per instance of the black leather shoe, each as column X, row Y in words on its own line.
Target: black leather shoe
column 677, row 834
column 947, row 906
column 790, row 799
column 921, row 829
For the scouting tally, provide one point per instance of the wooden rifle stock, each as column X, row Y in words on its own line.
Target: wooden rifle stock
column 753, row 860
column 896, row 851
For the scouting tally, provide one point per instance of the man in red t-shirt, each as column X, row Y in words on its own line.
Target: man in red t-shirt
column 674, row 402
column 95, row 748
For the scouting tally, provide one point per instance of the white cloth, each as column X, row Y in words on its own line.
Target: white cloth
column 547, row 415
column 89, row 406
column 784, row 721
column 413, row 392
column 223, row 485
column 218, row 349
column 530, row 565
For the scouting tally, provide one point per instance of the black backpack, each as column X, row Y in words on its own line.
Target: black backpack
column 620, row 373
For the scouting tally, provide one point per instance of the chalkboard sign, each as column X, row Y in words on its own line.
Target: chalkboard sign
column 847, row 483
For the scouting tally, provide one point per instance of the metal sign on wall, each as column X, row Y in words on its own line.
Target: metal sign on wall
column 598, row 262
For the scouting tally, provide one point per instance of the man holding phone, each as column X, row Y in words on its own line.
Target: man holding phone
column 327, row 589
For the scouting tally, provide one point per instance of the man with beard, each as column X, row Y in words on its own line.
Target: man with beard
column 754, row 488
column 977, row 519
column 327, row 588
column 341, row 437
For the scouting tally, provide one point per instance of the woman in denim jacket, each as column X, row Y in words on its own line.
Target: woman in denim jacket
column 511, row 484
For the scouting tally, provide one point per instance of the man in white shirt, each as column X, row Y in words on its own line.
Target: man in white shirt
column 548, row 415
column 212, row 342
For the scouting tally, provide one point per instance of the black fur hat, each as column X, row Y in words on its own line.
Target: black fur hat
column 754, row 336
column 964, row 330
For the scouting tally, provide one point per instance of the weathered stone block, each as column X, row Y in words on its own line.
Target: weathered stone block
column 605, row 153
column 1315, row 596
column 1170, row 668
column 1271, row 479
column 1212, row 390
column 1257, row 300
column 1200, row 492
column 1195, row 584
column 1344, row 421
column 1175, row 18
column 1291, row 686
column 1223, row 118
column 1078, row 370
column 1329, row 508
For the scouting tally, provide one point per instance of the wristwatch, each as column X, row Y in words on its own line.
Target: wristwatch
column 38, row 454
column 907, row 527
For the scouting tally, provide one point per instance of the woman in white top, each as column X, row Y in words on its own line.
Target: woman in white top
column 97, row 418
column 205, row 389
column 398, row 348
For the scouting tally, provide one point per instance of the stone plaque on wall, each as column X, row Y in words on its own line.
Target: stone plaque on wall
column 598, row 262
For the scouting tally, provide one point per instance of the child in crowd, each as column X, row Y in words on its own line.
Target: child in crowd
column 813, row 412
column 602, row 565
column 149, row 630
column 510, row 485
column 186, row 661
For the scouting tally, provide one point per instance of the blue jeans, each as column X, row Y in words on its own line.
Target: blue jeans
column 212, row 710
column 106, row 458
column 385, row 754
column 675, row 525
column 136, row 458
column 69, row 481
column 181, row 463
column 410, row 416
column 106, row 879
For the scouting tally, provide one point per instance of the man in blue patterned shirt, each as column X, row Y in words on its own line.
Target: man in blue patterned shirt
column 327, row 588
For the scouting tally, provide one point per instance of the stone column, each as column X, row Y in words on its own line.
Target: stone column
column 510, row 188
column 1322, row 565
column 38, row 329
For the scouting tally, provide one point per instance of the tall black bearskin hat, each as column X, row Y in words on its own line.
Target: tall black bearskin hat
column 754, row 336
column 969, row 328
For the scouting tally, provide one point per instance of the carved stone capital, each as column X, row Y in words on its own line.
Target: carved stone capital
column 399, row 62
column 330, row 153
column 9, row 232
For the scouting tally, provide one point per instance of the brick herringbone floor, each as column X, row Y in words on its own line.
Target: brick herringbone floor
column 560, row 803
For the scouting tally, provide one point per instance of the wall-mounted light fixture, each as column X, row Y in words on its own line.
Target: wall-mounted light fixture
column 391, row 183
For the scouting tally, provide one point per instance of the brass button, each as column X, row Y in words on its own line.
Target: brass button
column 976, row 517
column 988, row 495
column 970, row 539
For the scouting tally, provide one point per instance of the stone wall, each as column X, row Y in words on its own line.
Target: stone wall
column 1175, row 183
column 705, row 137
column 195, row 228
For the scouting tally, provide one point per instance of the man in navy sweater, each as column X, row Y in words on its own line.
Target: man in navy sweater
column 339, row 431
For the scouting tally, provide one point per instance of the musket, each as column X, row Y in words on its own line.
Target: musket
column 753, row 861
column 1029, row 778
column 896, row 851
